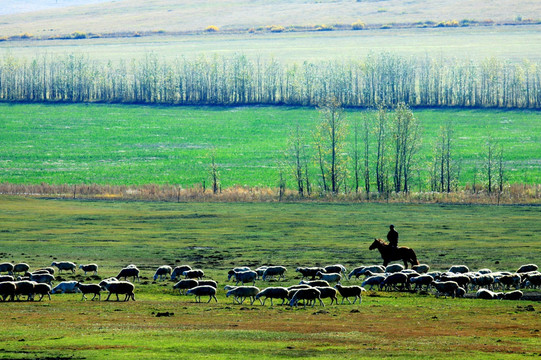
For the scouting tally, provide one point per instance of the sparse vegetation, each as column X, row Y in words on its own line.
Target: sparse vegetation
column 358, row 25
column 212, row 28
column 276, row 28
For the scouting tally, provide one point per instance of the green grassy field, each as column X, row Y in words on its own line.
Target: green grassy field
column 133, row 145
column 514, row 43
column 216, row 237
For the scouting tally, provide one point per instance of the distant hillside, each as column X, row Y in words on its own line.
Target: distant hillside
column 61, row 17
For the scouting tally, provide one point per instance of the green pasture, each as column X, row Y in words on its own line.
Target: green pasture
column 514, row 43
column 216, row 237
column 134, row 145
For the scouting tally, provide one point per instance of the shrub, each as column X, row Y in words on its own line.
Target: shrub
column 212, row 28
column 358, row 25
column 276, row 28
column 386, row 26
column 3, row 38
column 324, row 28
column 137, row 34
column 78, row 35
column 26, row 36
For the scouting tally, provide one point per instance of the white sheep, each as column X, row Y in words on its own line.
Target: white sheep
column 244, row 277
column 484, row 280
column 47, row 269
column 309, row 294
column 6, row 267
column 164, row 270
column 42, row 278
column 446, row 288
column 20, row 268
column 24, row 287
column 272, row 293
column 66, row 287
column 274, row 271
column 240, row 293
column 523, row 269
column 232, row 272
column 392, row 281
column 512, row 295
column 89, row 289
column 461, row 279
column 394, row 268
column 209, row 282
column 89, row 267
column 314, row 283
column 194, row 274
column 119, row 287
column 309, row 271
column 203, row 290
column 484, row 271
column 179, row 270
column 532, row 280
column 330, row 277
column 420, row 281
column 7, row 290
column 4, row 278
column 65, row 266
column 421, row 268
column 42, row 290
column 358, row 271
column 185, row 284
column 374, row 281
column 336, row 268
column 129, row 271
column 346, row 292
column 328, row 292
column 506, row 281
column 486, row 294
column 260, row 271
column 459, row 269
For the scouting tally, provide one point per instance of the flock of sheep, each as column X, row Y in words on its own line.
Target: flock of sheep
column 315, row 284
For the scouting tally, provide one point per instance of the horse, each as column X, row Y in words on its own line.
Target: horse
column 388, row 253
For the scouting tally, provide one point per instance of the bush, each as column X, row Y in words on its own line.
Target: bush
column 78, row 35
column 26, row 36
column 3, row 38
column 276, row 28
column 386, row 26
column 324, row 28
column 358, row 25
column 212, row 28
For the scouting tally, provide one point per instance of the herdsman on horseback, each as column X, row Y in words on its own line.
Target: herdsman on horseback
column 392, row 237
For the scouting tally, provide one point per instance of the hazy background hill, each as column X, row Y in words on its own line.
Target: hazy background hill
column 43, row 18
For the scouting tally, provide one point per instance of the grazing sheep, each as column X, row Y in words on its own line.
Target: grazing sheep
column 421, row 268
column 42, row 278
column 460, row 279
column 272, row 293
column 4, row 278
column 374, row 281
column 42, row 290
column 129, row 271
column 203, row 290
column 7, row 290
column 459, row 269
column 274, row 271
column 48, row 269
column 336, row 268
column 393, row 280
column 242, row 292
column 460, row 292
column 90, row 289
column 513, row 295
column 361, row 270
column 369, row 273
column 436, row 275
column 486, row 294
column 484, row 271
column 245, row 276
column 164, row 270
column 89, row 267
column 394, row 268
column 232, row 272
column 24, row 288
column 179, row 270
column 485, row 280
column 309, row 294
column 65, row 266
column 532, row 280
column 356, row 272
column 119, row 287
column 66, row 287
column 260, row 271
column 522, row 269
column 447, row 288
column 354, row 291
column 330, row 277
column 194, row 274
column 185, row 284
column 6, row 267
column 506, row 281
column 309, row 271
column 314, row 283
column 328, row 292
column 209, row 282
column 20, row 268
column 420, row 281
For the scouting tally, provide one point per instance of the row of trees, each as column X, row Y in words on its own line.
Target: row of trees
column 377, row 152
column 378, row 78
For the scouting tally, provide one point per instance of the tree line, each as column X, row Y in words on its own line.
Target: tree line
column 383, row 78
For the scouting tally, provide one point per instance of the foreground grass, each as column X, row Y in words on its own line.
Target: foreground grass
column 216, row 237
column 133, row 145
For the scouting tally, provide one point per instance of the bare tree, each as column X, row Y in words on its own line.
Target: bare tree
column 406, row 137
column 295, row 160
column 214, row 172
column 381, row 128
